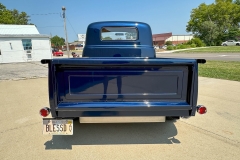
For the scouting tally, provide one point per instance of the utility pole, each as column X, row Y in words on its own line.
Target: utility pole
column 66, row 41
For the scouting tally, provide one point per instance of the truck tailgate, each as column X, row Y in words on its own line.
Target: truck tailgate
column 123, row 84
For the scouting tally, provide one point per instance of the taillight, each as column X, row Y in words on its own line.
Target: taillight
column 44, row 112
column 201, row 109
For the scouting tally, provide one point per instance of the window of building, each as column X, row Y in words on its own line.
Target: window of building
column 27, row 44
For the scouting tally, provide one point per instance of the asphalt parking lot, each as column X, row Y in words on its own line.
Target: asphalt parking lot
column 215, row 135
column 18, row 71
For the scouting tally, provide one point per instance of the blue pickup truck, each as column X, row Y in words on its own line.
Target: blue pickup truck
column 119, row 79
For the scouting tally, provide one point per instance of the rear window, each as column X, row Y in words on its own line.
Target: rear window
column 119, row 33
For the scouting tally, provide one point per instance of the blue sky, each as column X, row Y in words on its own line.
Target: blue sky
column 162, row 15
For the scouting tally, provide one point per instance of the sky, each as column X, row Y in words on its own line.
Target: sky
column 162, row 15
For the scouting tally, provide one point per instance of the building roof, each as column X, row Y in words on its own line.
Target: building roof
column 24, row 35
column 76, row 43
column 9, row 29
column 161, row 37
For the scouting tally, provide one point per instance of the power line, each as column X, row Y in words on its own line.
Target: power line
column 43, row 14
column 72, row 27
column 49, row 26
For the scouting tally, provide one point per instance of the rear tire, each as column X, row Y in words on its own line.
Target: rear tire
column 237, row 44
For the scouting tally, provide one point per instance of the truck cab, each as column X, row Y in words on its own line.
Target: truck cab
column 119, row 39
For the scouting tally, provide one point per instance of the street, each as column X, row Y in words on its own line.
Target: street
column 207, row 56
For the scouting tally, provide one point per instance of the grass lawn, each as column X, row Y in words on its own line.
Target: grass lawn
column 220, row 69
column 214, row 49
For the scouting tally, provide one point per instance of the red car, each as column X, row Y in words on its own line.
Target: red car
column 56, row 52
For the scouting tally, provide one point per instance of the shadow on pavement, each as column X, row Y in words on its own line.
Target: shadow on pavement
column 116, row 133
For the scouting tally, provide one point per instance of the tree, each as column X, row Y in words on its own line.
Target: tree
column 237, row 2
column 212, row 22
column 20, row 18
column 12, row 16
column 209, row 32
column 233, row 33
column 107, row 38
column 57, row 41
column 168, row 43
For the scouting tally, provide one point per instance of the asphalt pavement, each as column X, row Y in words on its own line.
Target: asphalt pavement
column 207, row 56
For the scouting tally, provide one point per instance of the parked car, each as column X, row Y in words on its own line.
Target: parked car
column 156, row 47
column 57, row 52
column 164, row 47
column 231, row 43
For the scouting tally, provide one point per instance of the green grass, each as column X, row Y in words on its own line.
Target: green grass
column 228, row 70
column 214, row 49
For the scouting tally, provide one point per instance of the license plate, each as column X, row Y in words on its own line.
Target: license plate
column 57, row 127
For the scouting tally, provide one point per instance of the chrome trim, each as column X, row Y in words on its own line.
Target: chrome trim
column 138, row 119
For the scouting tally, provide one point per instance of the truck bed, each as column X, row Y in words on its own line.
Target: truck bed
column 83, row 87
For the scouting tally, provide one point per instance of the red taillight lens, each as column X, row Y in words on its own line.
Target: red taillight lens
column 44, row 112
column 201, row 109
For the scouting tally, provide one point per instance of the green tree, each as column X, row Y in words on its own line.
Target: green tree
column 237, row 2
column 219, row 18
column 57, row 41
column 12, row 16
column 233, row 33
column 168, row 43
column 209, row 33
column 20, row 18
column 107, row 38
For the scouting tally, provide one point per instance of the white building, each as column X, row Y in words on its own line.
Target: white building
column 82, row 38
column 161, row 39
column 23, row 43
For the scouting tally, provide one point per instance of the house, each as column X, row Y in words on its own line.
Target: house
column 161, row 39
column 23, row 43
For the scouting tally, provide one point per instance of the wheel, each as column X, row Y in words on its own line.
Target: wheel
column 237, row 44
column 224, row 44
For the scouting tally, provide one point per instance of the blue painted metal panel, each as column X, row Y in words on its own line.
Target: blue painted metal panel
column 141, row 47
column 76, row 86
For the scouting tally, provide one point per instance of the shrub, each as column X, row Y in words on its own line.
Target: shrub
column 189, row 42
column 182, row 46
column 169, row 47
column 193, row 45
column 198, row 42
column 168, row 43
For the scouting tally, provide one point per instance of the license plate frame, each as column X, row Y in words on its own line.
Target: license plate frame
column 52, row 126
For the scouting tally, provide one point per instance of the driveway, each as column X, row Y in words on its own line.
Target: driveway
column 215, row 135
column 23, row 92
